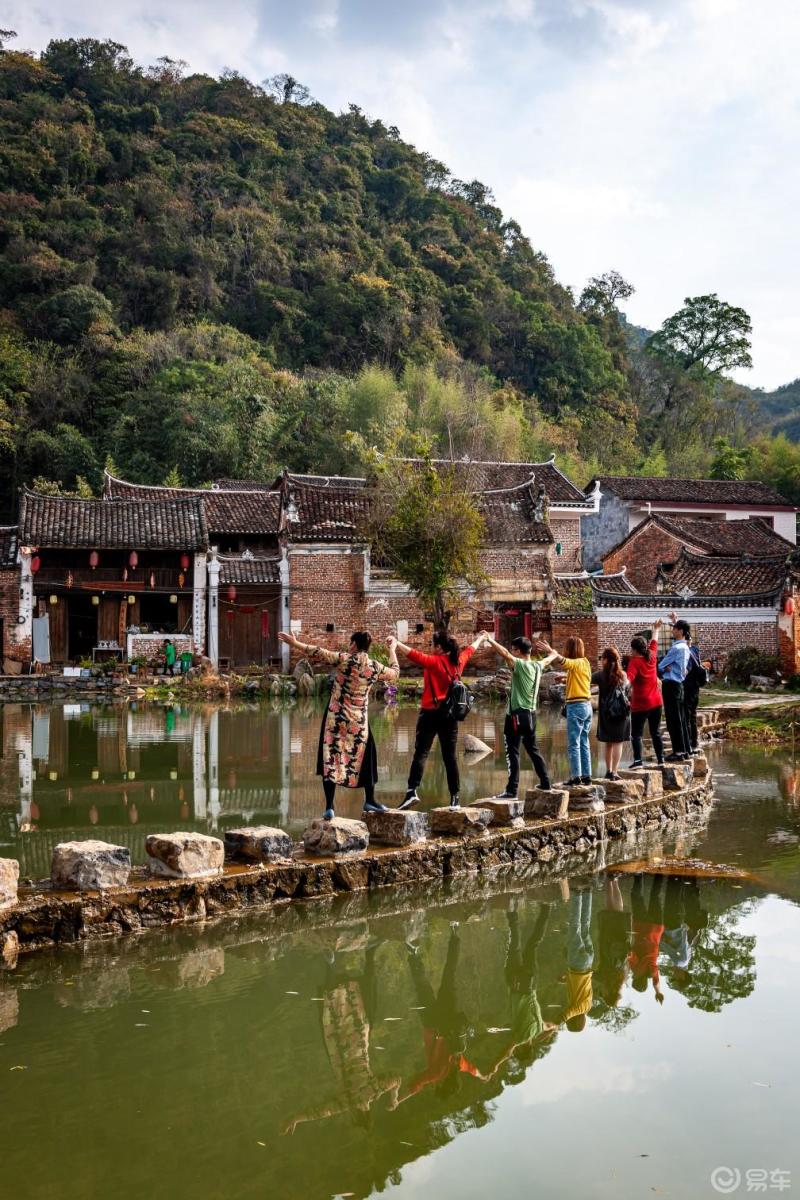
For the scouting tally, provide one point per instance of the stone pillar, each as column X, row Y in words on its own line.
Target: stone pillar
column 21, row 636
column 199, row 605
column 213, row 570
column 285, row 615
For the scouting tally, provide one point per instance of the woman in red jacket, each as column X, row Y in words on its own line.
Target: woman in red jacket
column 646, row 700
column 439, row 669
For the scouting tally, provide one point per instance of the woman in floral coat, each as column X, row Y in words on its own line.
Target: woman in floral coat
column 347, row 756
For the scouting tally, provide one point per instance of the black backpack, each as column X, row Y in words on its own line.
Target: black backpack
column 459, row 700
column 697, row 675
column 616, row 705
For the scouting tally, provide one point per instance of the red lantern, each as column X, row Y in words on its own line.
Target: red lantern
column 94, row 559
column 230, row 614
column 788, row 606
column 36, row 562
column 184, row 562
column 231, row 593
column 133, row 560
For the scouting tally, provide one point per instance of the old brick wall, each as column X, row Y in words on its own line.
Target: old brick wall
column 567, row 531
column 716, row 639
column 602, row 530
column 583, row 625
column 519, row 573
column 641, row 555
column 19, row 650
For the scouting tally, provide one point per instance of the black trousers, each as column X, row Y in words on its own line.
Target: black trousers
column 651, row 717
column 520, row 729
column 691, row 697
column 432, row 723
column 675, row 715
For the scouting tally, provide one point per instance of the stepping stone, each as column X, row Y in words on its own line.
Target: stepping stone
column 257, row 843
column 623, row 791
column 587, row 797
column 393, row 828
column 677, row 776
column 547, row 802
column 459, row 821
column 89, row 866
column 651, row 778
column 473, row 745
column 9, row 878
column 184, row 855
column 505, row 812
column 337, row 836
column 700, row 766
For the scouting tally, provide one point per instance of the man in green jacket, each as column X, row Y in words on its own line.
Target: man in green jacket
column 520, row 722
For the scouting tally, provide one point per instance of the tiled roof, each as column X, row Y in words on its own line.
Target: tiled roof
column 511, row 517
column 329, row 511
column 249, row 570
column 723, row 575
column 164, row 524
column 751, row 535
column 255, row 511
column 491, row 476
column 613, row 585
column 690, row 491
column 8, row 545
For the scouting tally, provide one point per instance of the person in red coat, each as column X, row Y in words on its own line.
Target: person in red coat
column 646, row 702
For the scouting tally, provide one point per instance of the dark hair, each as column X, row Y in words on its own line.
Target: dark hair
column 612, row 666
column 684, row 627
column 576, row 1024
column 362, row 639
column 448, row 643
column 640, row 646
column 575, row 648
column 523, row 644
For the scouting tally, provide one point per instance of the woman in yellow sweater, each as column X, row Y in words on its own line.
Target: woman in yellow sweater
column 579, row 707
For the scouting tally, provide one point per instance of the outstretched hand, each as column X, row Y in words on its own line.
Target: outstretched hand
column 391, row 642
column 288, row 638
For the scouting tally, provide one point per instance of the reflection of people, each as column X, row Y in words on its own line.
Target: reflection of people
column 347, row 756
column 580, row 960
column 439, row 669
column 520, row 722
column 648, row 927
column 529, row 1032
column 444, row 1025
column 614, row 943
column 348, row 1010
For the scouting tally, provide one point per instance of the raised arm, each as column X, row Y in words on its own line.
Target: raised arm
column 329, row 656
column 544, row 647
column 501, row 650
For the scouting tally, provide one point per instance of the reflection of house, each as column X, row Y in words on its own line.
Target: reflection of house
column 626, row 501
column 95, row 567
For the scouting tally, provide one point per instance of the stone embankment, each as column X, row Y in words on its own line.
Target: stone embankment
column 94, row 893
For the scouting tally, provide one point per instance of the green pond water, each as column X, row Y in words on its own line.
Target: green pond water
column 489, row 1036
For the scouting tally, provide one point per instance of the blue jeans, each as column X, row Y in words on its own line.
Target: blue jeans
column 579, row 724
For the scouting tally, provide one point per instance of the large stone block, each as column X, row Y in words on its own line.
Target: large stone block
column 337, row 836
column 700, row 766
column 623, row 791
column 649, row 776
column 459, row 821
column 547, row 802
column 587, row 797
column 505, row 812
column 184, row 855
column 677, row 776
column 258, row 843
column 9, row 878
column 90, row 865
column 393, row 828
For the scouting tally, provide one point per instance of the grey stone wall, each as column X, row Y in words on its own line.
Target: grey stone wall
column 602, row 530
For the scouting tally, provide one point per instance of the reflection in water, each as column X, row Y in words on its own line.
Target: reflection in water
column 302, row 1031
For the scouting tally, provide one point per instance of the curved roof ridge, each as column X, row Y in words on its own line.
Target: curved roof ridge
column 191, row 492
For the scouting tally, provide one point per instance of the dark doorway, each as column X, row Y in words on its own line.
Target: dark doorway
column 511, row 621
column 81, row 625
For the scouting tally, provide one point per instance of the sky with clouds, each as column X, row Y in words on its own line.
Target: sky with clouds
column 655, row 137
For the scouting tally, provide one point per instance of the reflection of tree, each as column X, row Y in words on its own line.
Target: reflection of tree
column 723, row 966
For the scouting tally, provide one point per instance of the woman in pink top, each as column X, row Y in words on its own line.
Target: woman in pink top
column 646, row 701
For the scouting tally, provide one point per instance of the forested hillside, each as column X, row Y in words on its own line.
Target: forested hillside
column 203, row 276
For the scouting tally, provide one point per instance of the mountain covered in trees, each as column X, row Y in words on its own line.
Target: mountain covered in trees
column 204, row 277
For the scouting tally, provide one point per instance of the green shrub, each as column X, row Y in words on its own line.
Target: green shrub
column 749, row 660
